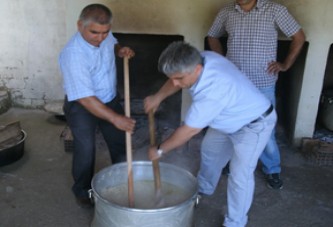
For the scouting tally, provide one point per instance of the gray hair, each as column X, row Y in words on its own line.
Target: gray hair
column 179, row 57
column 96, row 13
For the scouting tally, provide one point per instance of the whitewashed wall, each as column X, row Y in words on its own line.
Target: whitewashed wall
column 31, row 35
column 34, row 31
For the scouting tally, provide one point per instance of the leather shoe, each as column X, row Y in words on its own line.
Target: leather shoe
column 84, row 202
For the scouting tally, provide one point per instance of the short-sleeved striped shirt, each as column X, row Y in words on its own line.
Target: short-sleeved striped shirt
column 252, row 37
column 88, row 70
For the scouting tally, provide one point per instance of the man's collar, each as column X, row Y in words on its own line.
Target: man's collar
column 85, row 43
column 258, row 5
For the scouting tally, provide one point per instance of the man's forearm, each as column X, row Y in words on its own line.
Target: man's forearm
column 215, row 45
column 167, row 90
column 97, row 108
column 295, row 48
column 178, row 138
column 117, row 47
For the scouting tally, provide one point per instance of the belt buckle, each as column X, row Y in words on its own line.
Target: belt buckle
column 264, row 115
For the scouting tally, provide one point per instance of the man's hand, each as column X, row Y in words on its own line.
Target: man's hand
column 151, row 103
column 124, row 123
column 100, row 110
column 125, row 52
column 152, row 153
column 276, row 67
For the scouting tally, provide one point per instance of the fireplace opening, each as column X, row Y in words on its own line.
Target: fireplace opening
column 324, row 121
column 145, row 79
column 288, row 86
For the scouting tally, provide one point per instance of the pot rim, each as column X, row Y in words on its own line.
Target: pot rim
column 192, row 199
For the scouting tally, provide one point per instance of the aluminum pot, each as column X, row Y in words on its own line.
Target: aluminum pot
column 110, row 214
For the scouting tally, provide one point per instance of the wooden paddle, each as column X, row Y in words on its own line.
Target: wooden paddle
column 156, row 168
column 159, row 201
column 128, row 136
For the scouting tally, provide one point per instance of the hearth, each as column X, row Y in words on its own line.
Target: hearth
column 146, row 80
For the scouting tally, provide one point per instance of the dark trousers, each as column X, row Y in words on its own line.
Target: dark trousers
column 83, row 126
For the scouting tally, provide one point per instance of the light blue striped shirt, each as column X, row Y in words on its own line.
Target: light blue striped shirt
column 88, row 70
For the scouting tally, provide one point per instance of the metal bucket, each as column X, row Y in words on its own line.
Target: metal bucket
column 110, row 214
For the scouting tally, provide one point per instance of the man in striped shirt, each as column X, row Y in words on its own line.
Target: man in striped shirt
column 252, row 27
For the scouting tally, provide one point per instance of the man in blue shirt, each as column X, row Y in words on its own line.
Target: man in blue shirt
column 239, row 119
column 88, row 67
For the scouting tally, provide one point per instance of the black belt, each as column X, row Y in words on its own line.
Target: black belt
column 268, row 111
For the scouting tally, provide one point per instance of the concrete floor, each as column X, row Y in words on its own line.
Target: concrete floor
column 35, row 191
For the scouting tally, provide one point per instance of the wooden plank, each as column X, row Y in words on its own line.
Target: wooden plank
column 10, row 131
column 11, row 142
column 317, row 151
column 310, row 146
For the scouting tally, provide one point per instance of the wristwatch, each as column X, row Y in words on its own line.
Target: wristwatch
column 159, row 151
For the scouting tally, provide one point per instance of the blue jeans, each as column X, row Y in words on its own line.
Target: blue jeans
column 83, row 126
column 242, row 149
column 270, row 157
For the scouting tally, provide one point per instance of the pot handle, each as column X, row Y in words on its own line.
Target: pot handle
column 196, row 200
column 91, row 194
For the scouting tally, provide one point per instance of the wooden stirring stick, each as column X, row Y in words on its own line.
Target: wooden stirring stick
column 156, row 168
column 128, row 136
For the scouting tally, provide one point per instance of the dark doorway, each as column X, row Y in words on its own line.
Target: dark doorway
column 145, row 79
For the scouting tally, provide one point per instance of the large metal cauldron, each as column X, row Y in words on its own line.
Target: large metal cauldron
column 110, row 214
